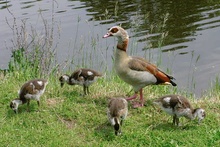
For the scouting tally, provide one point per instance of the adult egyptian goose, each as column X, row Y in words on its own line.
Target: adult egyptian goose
column 179, row 106
column 84, row 77
column 116, row 112
column 32, row 89
column 135, row 71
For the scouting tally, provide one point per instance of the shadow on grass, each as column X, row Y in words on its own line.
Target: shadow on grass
column 105, row 131
column 102, row 102
column 70, row 94
column 171, row 127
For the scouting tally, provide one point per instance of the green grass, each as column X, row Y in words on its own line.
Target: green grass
column 68, row 119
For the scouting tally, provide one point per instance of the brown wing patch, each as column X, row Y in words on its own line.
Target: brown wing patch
column 27, row 88
column 161, row 77
column 140, row 64
column 83, row 74
column 144, row 60
column 75, row 74
column 185, row 103
column 31, row 89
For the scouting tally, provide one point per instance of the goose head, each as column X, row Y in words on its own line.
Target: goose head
column 118, row 32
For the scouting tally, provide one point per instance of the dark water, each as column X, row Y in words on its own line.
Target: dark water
column 190, row 50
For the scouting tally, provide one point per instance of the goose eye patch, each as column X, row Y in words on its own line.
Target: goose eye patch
column 114, row 30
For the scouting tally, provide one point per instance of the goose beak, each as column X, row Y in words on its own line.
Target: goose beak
column 107, row 35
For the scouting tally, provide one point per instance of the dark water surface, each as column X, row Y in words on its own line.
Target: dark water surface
column 190, row 50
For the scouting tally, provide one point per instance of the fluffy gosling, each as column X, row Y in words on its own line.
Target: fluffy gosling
column 116, row 112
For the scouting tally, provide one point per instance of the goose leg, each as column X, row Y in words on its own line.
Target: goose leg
column 28, row 105
column 177, row 121
column 38, row 103
column 121, row 122
column 84, row 89
column 132, row 97
column 141, row 103
column 174, row 119
column 87, row 88
column 141, row 97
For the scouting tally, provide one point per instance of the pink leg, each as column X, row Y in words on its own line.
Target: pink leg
column 141, row 103
column 141, row 96
column 132, row 97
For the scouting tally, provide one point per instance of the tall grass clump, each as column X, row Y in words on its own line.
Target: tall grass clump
column 161, row 28
column 85, row 50
column 191, row 85
column 33, row 52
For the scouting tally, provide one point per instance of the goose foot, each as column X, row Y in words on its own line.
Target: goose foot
column 132, row 97
column 137, row 104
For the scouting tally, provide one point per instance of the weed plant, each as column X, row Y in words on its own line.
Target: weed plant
column 33, row 52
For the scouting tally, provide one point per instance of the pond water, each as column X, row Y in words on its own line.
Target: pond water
column 190, row 50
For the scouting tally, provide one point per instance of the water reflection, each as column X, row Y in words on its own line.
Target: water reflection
column 185, row 18
column 4, row 4
column 182, row 23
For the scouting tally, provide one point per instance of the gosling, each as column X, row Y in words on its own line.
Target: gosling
column 179, row 106
column 116, row 112
column 83, row 77
column 31, row 90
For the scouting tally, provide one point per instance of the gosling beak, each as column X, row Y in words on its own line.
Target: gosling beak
column 61, row 84
column 15, row 111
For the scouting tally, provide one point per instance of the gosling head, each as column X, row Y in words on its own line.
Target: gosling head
column 14, row 104
column 200, row 113
column 63, row 79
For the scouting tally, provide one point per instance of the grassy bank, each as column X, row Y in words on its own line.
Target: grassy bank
column 68, row 119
